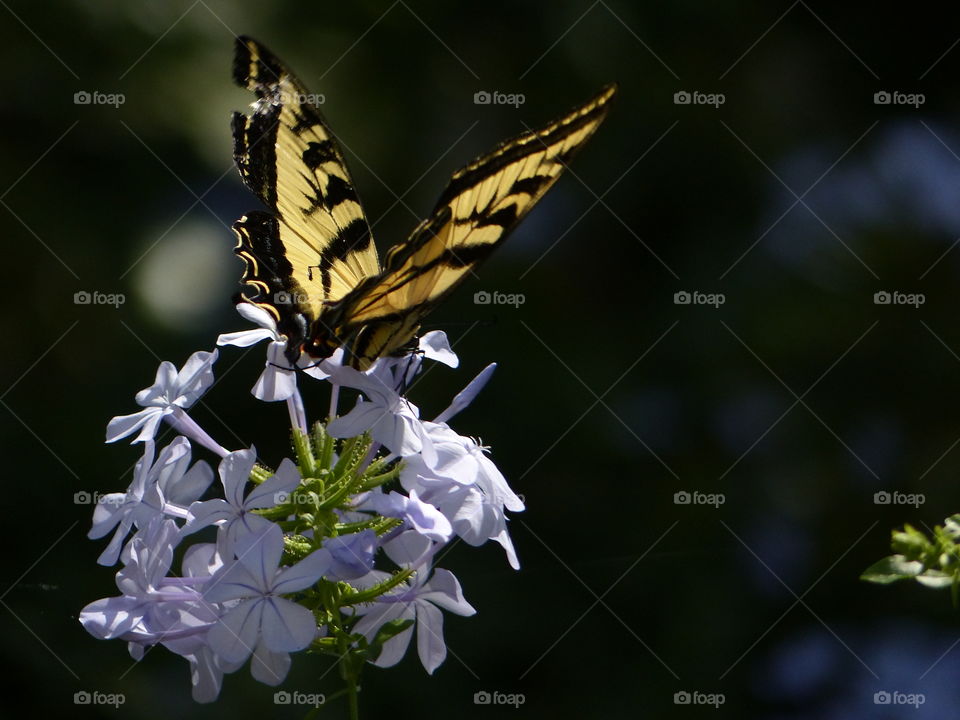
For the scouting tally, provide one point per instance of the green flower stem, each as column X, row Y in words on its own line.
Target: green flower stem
column 374, row 592
column 260, row 473
column 372, row 481
column 378, row 525
column 304, row 452
column 348, row 487
column 347, row 457
column 323, row 445
column 349, row 666
column 326, row 488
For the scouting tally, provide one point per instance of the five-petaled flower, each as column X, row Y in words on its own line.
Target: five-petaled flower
column 264, row 623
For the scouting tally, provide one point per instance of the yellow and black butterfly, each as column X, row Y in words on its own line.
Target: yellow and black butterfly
column 311, row 257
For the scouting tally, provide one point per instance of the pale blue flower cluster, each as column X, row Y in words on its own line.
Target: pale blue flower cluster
column 271, row 583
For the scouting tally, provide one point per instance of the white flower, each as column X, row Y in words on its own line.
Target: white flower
column 435, row 346
column 234, row 515
column 352, row 555
column 392, row 420
column 170, row 394
column 264, row 623
column 152, row 608
column 466, row 396
column 158, row 488
column 422, row 517
column 466, row 486
column 421, row 601
column 278, row 381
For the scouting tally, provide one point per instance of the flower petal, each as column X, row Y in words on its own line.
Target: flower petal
column 235, row 635
column 108, row 512
column 260, row 553
column 270, row 492
column 232, row 582
column 287, row 627
column 408, row 548
column 245, row 338
column 269, row 667
column 235, row 472
column 123, row 425
column 206, row 676
column 430, row 645
column 277, row 381
column 436, row 346
column 356, row 422
column 206, row 513
column 194, row 377
column 257, row 315
column 191, row 485
column 375, row 618
column 443, row 590
column 507, row 543
column 156, row 394
column 111, row 617
column 466, row 396
column 302, row 575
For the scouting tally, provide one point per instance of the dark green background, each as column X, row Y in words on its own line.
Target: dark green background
column 624, row 597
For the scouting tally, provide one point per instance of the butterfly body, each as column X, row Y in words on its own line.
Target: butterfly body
column 310, row 257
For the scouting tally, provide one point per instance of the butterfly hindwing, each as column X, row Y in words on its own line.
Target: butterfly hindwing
column 482, row 204
column 314, row 244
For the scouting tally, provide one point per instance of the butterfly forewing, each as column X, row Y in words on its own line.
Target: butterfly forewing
column 482, row 204
column 318, row 247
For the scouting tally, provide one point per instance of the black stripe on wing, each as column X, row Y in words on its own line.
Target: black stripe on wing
column 517, row 148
